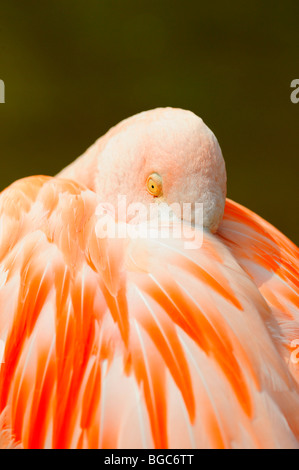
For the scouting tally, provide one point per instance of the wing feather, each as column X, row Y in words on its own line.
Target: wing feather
column 272, row 261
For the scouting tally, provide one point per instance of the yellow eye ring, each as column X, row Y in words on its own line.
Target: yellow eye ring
column 154, row 184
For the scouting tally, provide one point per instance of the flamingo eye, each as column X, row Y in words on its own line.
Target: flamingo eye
column 154, row 184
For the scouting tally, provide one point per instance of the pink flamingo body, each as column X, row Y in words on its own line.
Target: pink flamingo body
column 125, row 343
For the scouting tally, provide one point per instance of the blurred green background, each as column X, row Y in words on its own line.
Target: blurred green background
column 72, row 69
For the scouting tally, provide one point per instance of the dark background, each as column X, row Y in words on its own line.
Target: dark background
column 74, row 68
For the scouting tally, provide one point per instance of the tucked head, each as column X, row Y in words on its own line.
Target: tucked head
column 165, row 154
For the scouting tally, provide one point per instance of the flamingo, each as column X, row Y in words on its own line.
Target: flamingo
column 114, row 342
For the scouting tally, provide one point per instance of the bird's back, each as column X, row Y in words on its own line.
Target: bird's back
column 140, row 342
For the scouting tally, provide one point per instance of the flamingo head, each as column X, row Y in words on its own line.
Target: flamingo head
column 164, row 155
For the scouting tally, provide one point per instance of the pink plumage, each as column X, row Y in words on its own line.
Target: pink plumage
column 129, row 342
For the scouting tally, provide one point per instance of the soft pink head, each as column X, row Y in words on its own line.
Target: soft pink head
column 172, row 143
